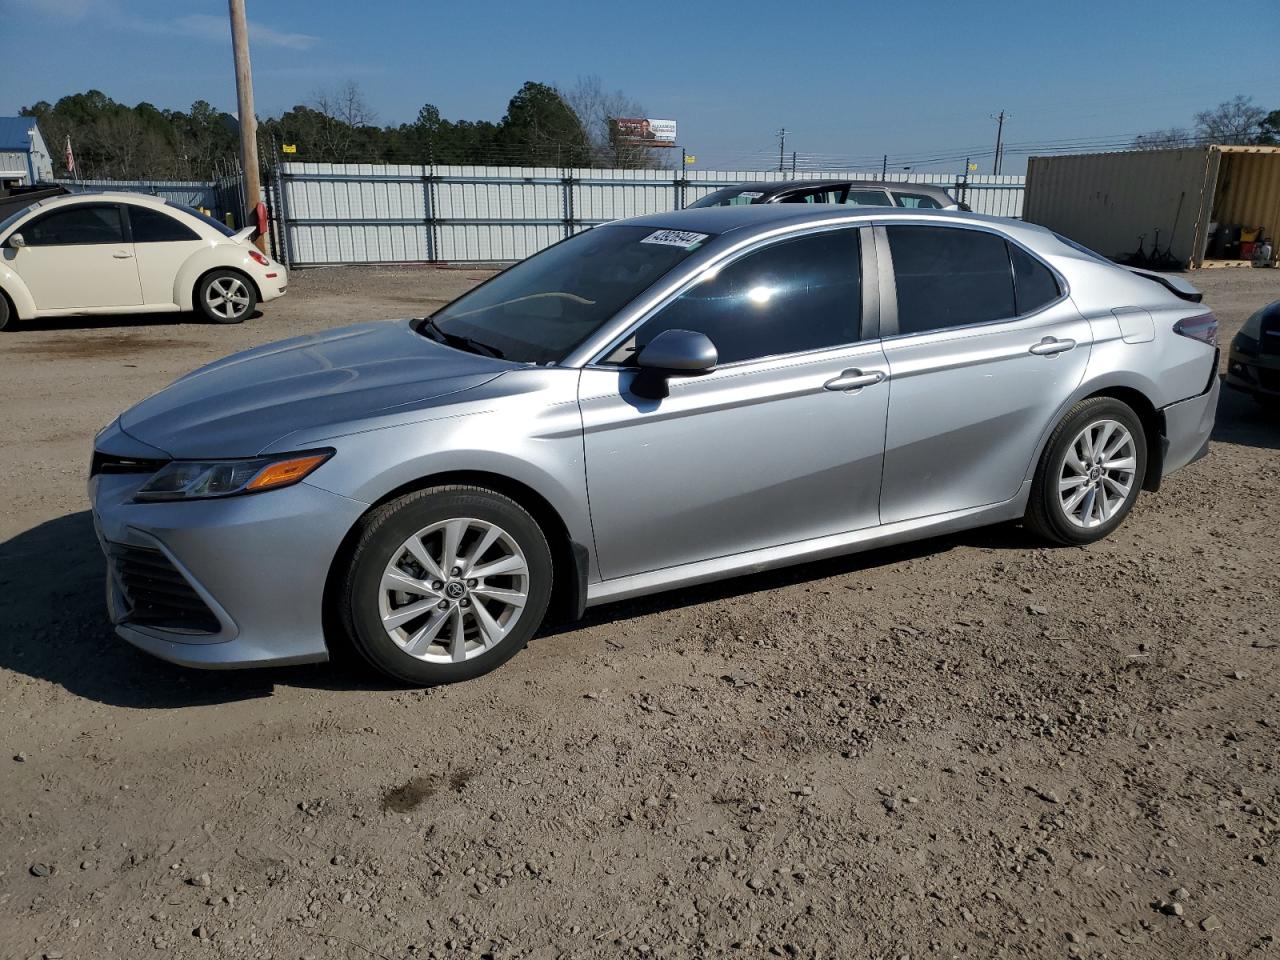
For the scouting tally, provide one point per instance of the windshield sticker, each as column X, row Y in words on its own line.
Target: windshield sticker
column 676, row 238
column 752, row 194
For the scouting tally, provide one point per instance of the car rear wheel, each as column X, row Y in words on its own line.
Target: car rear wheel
column 6, row 313
column 1090, row 473
column 225, row 296
column 445, row 584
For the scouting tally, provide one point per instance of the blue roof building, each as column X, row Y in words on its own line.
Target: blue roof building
column 24, row 156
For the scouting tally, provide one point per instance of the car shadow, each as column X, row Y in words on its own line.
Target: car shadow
column 1244, row 421
column 54, row 627
column 117, row 320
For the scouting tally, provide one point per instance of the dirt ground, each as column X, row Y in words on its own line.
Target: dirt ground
column 973, row 746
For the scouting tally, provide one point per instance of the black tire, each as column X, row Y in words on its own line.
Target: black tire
column 238, row 282
column 1045, row 514
column 382, row 533
column 7, row 316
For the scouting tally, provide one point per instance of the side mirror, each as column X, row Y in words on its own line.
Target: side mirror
column 17, row 241
column 678, row 352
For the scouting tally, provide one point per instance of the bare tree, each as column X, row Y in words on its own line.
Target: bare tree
column 1168, row 139
column 597, row 108
column 1238, row 120
column 346, row 112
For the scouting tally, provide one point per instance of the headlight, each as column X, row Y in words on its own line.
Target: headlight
column 1253, row 326
column 205, row 479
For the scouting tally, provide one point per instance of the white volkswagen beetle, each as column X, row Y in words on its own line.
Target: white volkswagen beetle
column 100, row 253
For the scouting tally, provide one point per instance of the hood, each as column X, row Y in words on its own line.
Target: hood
column 238, row 406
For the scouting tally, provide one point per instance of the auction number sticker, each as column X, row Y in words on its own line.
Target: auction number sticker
column 751, row 194
column 676, row 238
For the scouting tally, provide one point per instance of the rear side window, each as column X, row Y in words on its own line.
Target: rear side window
column 791, row 296
column 81, row 224
column 950, row 277
column 1034, row 284
column 823, row 195
column 867, row 198
column 918, row 201
column 152, row 226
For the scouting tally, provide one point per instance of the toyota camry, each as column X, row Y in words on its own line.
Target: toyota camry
column 646, row 405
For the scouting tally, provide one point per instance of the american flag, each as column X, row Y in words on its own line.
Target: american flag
column 70, row 157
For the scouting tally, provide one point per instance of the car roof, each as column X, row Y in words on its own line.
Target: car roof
column 98, row 196
column 773, row 187
column 762, row 217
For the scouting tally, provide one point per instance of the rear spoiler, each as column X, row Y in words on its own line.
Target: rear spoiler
column 1175, row 285
column 248, row 233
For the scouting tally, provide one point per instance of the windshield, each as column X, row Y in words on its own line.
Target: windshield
column 543, row 307
column 730, row 197
column 14, row 217
column 216, row 224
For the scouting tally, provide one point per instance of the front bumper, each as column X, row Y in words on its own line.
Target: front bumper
column 1254, row 373
column 259, row 563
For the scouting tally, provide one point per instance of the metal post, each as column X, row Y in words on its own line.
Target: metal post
column 286, row 241
column 782, row 147
column 248, row 120
column 429, row 199
column 884, row 167
column 793, row 164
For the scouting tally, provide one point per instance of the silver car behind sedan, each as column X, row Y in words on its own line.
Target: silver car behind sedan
column 649, row 404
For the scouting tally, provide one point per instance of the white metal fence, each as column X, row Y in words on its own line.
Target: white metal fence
column 369, row 213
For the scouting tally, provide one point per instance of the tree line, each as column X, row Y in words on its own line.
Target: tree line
column 1235, row 121
column 543, row 126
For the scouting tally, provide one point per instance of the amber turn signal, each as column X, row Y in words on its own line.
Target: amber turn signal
column 286, row 471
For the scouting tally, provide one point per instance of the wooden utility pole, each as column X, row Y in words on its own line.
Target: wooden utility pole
column 248, row 119
column 995, row 167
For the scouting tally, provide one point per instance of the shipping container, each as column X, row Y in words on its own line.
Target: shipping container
column 1197, row 207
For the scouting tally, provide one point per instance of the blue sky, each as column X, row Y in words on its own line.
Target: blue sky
column 849, row 81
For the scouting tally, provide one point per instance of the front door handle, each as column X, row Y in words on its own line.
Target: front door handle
column 1051, row 346
column 854, row 379
column 122, row 255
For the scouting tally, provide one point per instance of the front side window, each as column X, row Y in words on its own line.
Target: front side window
column 152, row 226
column 950, row 277
column 867, row 198
column 82, row 224
column 918, row 201
column 791, row 296
column 540, row 309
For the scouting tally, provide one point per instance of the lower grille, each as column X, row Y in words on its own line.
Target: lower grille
column 157, row 594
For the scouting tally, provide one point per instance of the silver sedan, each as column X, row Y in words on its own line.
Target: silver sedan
column 646, row 405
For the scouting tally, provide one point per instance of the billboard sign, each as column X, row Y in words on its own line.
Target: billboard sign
column 652, row 133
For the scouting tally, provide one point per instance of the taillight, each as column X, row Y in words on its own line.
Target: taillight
column 256, row 257
column 1203, row 328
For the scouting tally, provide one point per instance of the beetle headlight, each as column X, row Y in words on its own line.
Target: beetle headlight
column 206, row 479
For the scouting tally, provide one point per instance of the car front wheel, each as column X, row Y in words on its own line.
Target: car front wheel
column 225, row 296
column 445, row 584
column 1090, row 473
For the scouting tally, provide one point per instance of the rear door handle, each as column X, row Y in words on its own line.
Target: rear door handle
column 854, row 379
column 1050, row 346
column 122, row 255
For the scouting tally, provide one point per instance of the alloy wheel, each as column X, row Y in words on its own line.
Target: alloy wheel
column 1098, row 473
column 227, row 297
column 453, row 590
